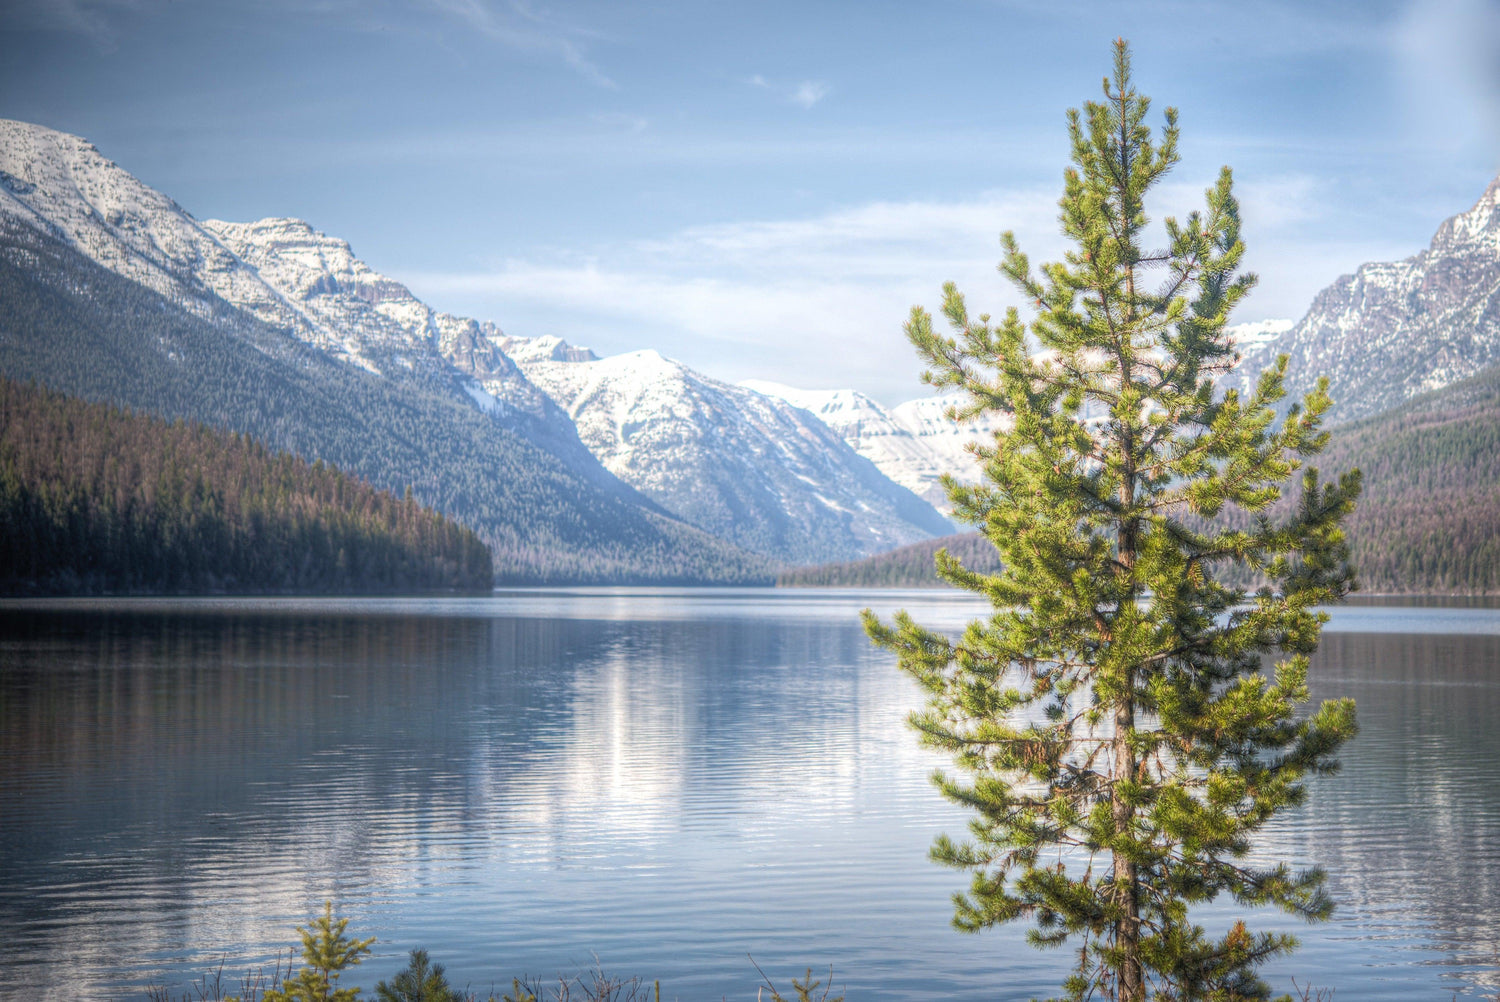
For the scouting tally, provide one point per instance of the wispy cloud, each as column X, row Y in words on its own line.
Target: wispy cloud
column 91, row 18
column 805, row 93
column 819, row 301
column 809, row 93
column 523, row 26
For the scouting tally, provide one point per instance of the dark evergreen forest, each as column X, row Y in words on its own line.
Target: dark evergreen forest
column 908, row 567
column 94, row 499
column 1429, row 520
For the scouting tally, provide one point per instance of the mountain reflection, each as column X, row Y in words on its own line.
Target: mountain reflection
column 182, row 781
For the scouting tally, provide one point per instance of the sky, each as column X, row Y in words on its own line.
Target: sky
column 762, row 189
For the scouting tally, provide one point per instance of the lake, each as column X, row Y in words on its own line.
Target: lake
column 667, row 782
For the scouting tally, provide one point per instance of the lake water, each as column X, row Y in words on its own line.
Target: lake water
column 667, row 781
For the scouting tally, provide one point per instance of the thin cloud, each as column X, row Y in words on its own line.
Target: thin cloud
column 809, row 93
column 520, row 26
column 826, row 295
column 805, row 94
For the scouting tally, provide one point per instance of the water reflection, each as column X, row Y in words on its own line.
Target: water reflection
column 666, row 779
column 1411, row 829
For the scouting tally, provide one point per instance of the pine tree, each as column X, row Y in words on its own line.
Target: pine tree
column 421, row 981
column 1112, row 728
column 326, row 954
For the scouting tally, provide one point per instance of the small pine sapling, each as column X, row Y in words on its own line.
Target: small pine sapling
column 326, row 953
column 421, row 981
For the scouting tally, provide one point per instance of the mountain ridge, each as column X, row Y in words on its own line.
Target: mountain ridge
column 1392, row 330
column 748, row 467
column 146, row 335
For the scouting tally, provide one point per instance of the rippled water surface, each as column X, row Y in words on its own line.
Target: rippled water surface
column 666, row 781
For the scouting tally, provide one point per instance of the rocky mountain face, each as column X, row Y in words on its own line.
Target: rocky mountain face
column 1394, row 330
column 367, row 319
column 747, row 466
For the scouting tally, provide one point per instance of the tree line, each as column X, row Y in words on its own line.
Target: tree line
column 95, row 499
column 909, row 566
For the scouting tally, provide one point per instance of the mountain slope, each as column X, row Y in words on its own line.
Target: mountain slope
column 747, row 467
column 769, row 482
column 375, row 322
column 93, row 499
column 913, row 443
column 1429, row 520
column 1393, row 330
column 146, row 334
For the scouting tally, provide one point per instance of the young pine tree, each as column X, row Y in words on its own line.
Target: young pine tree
column 421, row 981
column 326, row 953
column 1112, row 727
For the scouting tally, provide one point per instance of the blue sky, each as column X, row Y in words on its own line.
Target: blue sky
column 760, row 189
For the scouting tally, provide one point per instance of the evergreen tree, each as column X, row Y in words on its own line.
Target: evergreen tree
column 326, row 953
column 421, row 981
column 1111, row 726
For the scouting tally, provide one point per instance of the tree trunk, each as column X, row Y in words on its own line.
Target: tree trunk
column 1132, row 986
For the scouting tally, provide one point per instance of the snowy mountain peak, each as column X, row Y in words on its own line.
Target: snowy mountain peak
column 1480, row 224
column 63, row 185
column 837, row 408
column 548, row 348
column 313, row 261
column 1247, row 337
column 337, row 291
column 1395, row 329
column 748, row 466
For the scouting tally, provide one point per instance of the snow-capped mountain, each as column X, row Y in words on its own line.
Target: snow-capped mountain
column 1256, row 334
column 111, row 291
column 279, row 271
column 746, row 466
column 796, row 490
column 379, row 319
column 914, row 443
column 1393, row 330
column 369, row 319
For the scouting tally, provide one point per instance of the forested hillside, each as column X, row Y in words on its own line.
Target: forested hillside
column 908, row 567
column 83, row 330
column 95, row 499
column 1428, row 522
